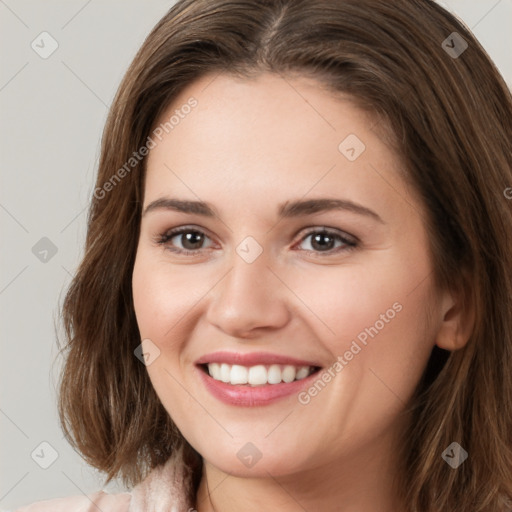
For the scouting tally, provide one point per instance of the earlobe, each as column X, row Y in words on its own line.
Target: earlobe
column 457, row 323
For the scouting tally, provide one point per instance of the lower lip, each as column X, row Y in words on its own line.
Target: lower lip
column 253, row 396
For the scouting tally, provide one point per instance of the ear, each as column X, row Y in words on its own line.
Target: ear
column 458, row 320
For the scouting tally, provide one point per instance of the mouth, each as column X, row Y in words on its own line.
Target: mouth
column 257, row 375
column 254, row 379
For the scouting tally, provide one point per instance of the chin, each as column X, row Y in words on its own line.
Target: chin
column 245, row 459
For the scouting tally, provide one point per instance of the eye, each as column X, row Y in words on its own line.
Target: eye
column 190, row 239
column 323, row 240
column 327, row 241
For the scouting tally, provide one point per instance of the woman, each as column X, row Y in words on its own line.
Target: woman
column 297, row 286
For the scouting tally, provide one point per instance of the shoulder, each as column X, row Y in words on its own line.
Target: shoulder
column 167, row 487
column 93, row 502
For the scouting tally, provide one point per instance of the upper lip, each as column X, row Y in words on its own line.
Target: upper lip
column 252, row 359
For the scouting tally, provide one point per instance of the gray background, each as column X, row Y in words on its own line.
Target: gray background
column 52, row 115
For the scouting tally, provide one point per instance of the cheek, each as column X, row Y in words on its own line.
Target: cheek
column 162, row 296
column 375, row 318
column 354, row 302
column 162, row 313
column 381, row 346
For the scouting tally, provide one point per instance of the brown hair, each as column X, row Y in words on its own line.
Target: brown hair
column 452, row 120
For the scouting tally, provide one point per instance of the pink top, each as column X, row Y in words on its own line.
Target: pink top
column 165, row 489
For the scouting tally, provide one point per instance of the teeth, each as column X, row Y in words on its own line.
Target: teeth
column 302, row 373
column 225, row 372
column 238, row 374
column 289, row 373
column 214, row 370
column 258, row 375
column 274, row 374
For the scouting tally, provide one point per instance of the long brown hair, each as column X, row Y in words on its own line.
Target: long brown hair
column 451, row 116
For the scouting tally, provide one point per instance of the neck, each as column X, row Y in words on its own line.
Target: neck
column 359, row 482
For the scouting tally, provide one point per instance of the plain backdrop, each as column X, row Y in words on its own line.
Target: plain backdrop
column 52, row 112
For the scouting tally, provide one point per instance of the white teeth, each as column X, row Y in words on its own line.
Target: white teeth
column 258, row 375
column 225, row 371
column 302, row 373
column 274, row 374
column 215, row 370
column 289, row 373
column 238, row 374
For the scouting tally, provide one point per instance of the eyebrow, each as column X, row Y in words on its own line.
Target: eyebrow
column 286, row 210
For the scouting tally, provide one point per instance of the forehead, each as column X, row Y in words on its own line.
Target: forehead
column 270, row 137
column 296, row 109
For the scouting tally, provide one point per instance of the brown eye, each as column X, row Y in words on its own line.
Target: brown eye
column 324, row 241
column 190, row 240
column 186, row 240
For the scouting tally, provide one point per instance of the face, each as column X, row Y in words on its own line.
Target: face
column 280, row 247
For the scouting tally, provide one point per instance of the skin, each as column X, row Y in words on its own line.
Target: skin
column 249, row 146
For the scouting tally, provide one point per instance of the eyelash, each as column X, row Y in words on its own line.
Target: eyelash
column 350, row 242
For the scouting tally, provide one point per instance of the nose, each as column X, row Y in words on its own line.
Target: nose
column 249, row 300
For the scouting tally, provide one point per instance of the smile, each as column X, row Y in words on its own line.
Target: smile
column 259, row 375
column 254, row 379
